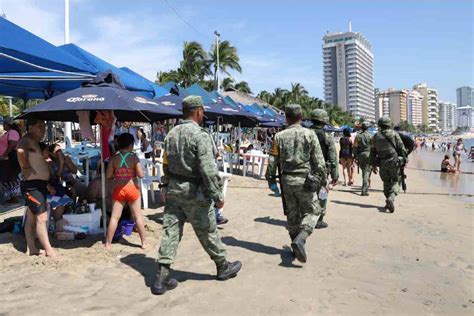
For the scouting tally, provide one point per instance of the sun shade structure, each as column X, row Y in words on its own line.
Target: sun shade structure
column 31, row 67
column 106, row 93
column 159, row 91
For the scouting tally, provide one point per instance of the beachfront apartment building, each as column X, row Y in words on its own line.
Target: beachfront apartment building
column 348, row 73
column 392, row 103
column 414, row 104
column 465, row 117
column 430, row 106
column 465, row 96
column 447, row 116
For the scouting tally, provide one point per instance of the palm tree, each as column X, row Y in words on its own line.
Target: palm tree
column 337, row 116
column 207, row 85
column 265, row 96
column 228, row 84
column 243, row 86
column 228, row 59
column 297, row 92
column 194, row 66
column 166, row 76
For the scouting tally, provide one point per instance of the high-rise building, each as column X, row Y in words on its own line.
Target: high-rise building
column 465, row 117
column 414, row 105
column 447, row 116
column 348, row 73
column 465, row 96
column 393, row 103
column 430, row 107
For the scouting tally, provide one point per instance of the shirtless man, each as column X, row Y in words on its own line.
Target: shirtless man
column 35, row 187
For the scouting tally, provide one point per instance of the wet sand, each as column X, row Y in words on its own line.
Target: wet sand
column 418, row 260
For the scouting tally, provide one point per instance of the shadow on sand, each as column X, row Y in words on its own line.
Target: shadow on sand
column 147, row 267
column 381, row 209
column 285, row 253
column 271, row 221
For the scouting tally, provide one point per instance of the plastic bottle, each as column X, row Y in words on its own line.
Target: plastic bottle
column 323, row 193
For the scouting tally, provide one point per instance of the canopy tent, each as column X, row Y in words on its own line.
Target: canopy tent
column 30, row 67
column 131, row 82
column 159, row 90
column 196, row 89
column 174, row 88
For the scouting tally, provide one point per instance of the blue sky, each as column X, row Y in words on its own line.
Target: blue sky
column 279, row 42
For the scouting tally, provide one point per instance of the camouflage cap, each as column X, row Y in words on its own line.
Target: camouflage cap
column 192, row 102
column 8, row 120
column 293, row 109
column 319, row 115
column 384, row 121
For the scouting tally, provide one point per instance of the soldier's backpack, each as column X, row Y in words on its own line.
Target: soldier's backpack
column 322, row 142
column 408, row 142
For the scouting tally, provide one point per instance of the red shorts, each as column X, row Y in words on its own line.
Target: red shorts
column 126, row 193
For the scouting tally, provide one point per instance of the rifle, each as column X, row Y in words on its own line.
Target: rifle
column 281, row 188
column 403, row 177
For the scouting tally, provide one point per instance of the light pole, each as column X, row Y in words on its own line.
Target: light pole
column 67, row 125
column 217, row 55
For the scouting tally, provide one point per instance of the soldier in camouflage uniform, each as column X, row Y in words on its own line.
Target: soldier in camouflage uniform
column 328, row 147
column 388, row 152
column 296, row 150
column 192, row 188
column 362, row 152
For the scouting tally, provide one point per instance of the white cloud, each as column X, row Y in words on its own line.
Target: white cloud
column 137, row 39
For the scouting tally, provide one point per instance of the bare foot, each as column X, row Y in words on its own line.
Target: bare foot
column 37, row 253
column 108, row 246
column 145, row 245
column 52, row 254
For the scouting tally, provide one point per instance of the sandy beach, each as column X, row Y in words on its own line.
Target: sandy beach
column 418, row 260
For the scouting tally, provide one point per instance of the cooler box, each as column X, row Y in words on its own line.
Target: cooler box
column 89, row 220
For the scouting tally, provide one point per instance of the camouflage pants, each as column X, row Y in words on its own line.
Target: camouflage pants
column 203, row 220
column 364, row 166
column 302, row 209
column 390, row 174
column 322, row 205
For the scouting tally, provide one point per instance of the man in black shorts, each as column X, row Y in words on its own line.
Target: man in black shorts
column 35, row 187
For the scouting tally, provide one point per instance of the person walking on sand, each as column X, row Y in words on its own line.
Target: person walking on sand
column 458, row 150
column 320, row 117
column 297, row 152
column 125, row 169
column 191, row 188
column 388, row 152
column 35, row 187
column 362, row 152
column 346, row 158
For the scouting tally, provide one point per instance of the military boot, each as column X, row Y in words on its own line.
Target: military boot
column 298, row 246
column 163, row 281
column 389, row 205
column 365, row 193
column 227, row 270
column 321, row 224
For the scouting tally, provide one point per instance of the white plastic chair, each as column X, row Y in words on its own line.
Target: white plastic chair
column 253, row 161
column 147, row 182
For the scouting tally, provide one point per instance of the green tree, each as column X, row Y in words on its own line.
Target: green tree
column 228, row 59
column 297, row 92
column 243, row 86
column 265, row 96
column 195, row 65
column 166, row 76
column 228, row 84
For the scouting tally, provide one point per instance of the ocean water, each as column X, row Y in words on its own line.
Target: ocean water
column 429, row 162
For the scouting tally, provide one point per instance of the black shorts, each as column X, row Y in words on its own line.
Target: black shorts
column 34, row 192
column 444, row 169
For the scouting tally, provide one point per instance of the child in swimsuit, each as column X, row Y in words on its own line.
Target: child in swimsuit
column 124, row 167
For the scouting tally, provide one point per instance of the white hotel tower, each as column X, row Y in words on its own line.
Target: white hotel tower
column 348, row 73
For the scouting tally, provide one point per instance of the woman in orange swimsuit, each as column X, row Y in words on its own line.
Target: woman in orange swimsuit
column 124, row 167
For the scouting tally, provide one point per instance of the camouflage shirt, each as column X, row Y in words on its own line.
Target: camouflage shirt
column 298, row 151
column 362, row 142
column 382, row 148
column 329, row 151
column 189, row 162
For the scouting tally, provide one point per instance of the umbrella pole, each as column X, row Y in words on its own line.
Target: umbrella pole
column 102, row 180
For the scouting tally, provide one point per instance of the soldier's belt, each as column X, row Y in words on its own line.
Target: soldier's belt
column 185, row 178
